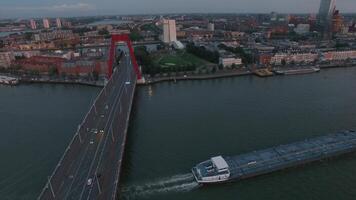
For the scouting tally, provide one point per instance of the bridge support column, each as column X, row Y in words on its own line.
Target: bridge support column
column 50, row 187
column 122, row 38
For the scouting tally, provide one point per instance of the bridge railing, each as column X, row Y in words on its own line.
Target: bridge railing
column 72, row 150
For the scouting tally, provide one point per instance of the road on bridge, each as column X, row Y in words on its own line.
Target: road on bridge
column 90, row 166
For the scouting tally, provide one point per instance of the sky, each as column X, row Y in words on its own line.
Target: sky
column 68, row 8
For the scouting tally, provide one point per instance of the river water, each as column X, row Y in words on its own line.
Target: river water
column 175, row 126
column 37, row 123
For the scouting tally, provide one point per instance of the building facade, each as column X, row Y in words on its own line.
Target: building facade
column 288, row 58
column 57, row 34
column 33, row 24
column 339, row 55
column 46, row 23
column 59, row 23
column 229, row 61
column 326, row 11
column 6, row 58
column 169, row 31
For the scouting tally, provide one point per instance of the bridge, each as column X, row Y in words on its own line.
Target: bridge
column 90, row 166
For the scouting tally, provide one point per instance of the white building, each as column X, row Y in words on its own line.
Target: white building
column 339, row 55
column 229, row 61
column 59, row 23
column 46, row 23
column 169, row 31
column 211, row 27
column 294, row 57
column 302, row 29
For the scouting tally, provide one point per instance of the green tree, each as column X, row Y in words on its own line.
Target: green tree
column 284, row 62
column 53, row 71
column 103, row 32
column 28, row 35
column 135, row 36
column 95, row 75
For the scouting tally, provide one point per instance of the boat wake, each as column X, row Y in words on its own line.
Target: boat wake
column 178, row 183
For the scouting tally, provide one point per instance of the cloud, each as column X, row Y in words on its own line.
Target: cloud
column 78, row 6
column 54, row 8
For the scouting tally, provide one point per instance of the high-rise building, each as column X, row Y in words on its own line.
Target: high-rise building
column 337, row 22
column 59, row 23
column 169, row 31
column 326, row 11
column 211, row 27
column 33, row 24
column 46, row 23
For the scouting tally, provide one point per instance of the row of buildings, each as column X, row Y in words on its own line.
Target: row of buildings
column 306, row 58
column 69, row 63
column 46, row 23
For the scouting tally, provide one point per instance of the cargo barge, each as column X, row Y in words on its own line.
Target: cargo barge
column 224, row 168
column 298, row 71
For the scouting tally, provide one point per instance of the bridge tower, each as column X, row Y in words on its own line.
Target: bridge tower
column 122, row 38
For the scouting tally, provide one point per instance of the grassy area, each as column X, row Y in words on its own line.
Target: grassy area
column 180, row 59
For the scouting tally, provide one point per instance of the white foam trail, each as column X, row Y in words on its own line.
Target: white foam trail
column 178, row 183
column 185, row 187
column 171, row 180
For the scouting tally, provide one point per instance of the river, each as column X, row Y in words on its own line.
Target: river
column 37, row 123
column 175, row 126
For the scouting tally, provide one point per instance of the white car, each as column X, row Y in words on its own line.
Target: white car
column 91, row 141
column 89, row 181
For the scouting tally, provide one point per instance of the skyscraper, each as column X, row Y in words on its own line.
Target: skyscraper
column 59, row 23
column 326, row 11
column 45, row 23
column 169, row 31
column 33, row 24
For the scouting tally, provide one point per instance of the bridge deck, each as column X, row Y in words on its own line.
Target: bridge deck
column 90, row 166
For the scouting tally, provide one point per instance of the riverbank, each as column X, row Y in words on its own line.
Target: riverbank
column 150, row 81
column 49, row 80
column 226, row 74
column 70, row 82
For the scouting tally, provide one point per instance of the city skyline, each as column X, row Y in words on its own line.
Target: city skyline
column 41, row 8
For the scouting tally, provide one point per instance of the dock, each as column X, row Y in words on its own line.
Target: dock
column 263, row 72
column 6, row 80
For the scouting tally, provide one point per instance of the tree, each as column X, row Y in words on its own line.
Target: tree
column 202, row 52
column 95, row 75
column 28, row 35
column 63, row 75
column 284, row 62
column 53, row 71
column 103, row 32
column 2, row 45
column 135, row 36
